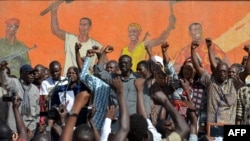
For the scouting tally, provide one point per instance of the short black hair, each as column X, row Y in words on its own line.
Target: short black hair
column 51, row 65
column 138, row 128
column 88, row 19
column 82, row 131
column 194, row 24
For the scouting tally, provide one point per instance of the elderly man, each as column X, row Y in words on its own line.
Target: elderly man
column 10, row 47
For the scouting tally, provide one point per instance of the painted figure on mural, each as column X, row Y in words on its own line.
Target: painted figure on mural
column 136, row 48
column 85, row 25
column 12, row 50
column 195, row 32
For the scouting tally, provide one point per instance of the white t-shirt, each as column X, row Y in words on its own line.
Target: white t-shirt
column 69, row 47
column 48, row 84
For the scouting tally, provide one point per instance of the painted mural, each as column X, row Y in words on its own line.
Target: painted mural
column 226, row 22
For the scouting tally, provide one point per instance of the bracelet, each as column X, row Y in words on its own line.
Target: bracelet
column 73, row 114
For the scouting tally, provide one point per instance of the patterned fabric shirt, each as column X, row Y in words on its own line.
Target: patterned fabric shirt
column 222, row 100
column 243, row 105
column 101, row 91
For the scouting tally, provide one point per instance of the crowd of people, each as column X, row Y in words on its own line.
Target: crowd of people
column 138, row 97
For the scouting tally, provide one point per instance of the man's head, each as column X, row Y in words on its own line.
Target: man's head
column 39, row 72
column 55, row 70
column 221, row 72
column 134, row 31
column 83, row 133
column 195, row 31
column 165, row 127
column 143, row 68
column 27, row 73
column 234, row 70
column 46, row 73
column 12, row 26
column 125, row 63
column 5, row 132
column 112, row 66
column 85, row 26
column 138, row 128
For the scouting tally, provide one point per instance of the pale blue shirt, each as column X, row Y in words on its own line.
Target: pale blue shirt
column 101, row 91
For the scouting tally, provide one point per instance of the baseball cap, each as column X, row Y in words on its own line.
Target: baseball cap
column 26, row 68
column 14, row 21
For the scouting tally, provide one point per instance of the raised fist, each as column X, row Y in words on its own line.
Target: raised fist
column 209, row 42
column 108, row 49
column 164, row 46
column 90, row 53
column 247, row 48
column 78, row 46
column 194, row 44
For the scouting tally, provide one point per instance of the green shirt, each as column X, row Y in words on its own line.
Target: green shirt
column 17, row 52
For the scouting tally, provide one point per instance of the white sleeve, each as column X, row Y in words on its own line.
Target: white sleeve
column 152, row 129
column 43, row 89
column 106, row 129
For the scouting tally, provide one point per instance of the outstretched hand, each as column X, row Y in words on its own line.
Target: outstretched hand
column 208, row 42
column 164, row 46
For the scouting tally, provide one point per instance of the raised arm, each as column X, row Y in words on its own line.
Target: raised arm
column 195, row 60
column 103, row 59
column 21, row 129
column 92, row 124
column 191, row 108
column 139, row 84
column 164, row 35
column 122, row 133
column 80, row 101
column 180, row 124
column 54, row 21
column 246, row 71
column 211, row 54
column 79, row 60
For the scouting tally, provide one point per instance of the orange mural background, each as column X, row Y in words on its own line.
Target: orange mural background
column 111, row 18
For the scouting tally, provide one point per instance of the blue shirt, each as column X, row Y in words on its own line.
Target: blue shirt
column 101, row 91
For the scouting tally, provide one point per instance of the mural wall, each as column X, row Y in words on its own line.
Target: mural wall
column 226, row 22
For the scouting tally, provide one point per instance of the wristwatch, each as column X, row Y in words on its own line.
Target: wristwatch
column 72, row 114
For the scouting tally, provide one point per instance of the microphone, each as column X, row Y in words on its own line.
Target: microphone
column 69, row 81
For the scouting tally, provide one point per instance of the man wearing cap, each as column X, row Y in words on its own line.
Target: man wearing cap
column 10, row 46
column 136, row 49
column 27, row 91
column 71, row 39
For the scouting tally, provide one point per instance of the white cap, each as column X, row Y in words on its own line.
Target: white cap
column 157, row 59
